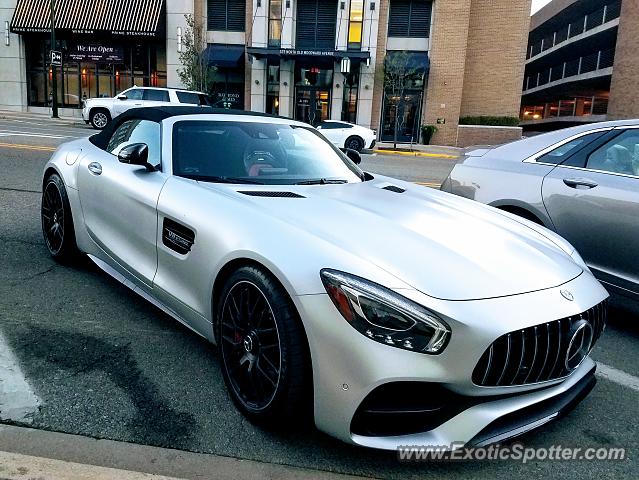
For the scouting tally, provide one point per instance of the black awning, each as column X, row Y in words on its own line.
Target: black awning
column 263, row 52
column 418, row 62
column 224, row 56
column 117, row 17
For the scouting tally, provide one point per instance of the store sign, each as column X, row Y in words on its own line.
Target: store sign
column 96, row 53
column 291, row 52
column 56, row 58
column 228, row 100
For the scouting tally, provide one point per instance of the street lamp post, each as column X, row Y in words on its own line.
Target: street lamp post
column 54, row 73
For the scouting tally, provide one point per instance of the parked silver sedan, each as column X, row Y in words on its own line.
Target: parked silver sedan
column 581, row 182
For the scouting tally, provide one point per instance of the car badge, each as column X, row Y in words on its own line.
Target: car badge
column 579, row 345
column 567, row 295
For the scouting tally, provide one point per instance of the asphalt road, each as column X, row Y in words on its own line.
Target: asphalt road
column 106, row 364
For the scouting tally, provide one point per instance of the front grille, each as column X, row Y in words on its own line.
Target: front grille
column 534, row 354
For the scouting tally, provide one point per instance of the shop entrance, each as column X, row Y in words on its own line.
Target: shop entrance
column 312, row 104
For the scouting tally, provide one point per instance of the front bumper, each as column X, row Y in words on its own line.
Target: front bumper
column 347, row 367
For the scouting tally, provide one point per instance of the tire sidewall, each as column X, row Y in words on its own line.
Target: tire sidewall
column 285, row 319
column 68, row 247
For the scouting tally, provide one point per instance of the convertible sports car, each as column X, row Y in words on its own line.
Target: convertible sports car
column 389, row 313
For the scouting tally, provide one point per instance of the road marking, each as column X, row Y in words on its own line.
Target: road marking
column 18, row 403
column 429, row 184
column 41, row 148
column 618, row 376
column 13, row 133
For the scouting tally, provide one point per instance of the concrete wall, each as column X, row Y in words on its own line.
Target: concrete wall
column 624, row 102
column 469, row 135
column 13, row 81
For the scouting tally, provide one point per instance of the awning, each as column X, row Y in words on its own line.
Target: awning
column 225, row 56
column 334, row 55
column 117, row 17
column 418, row 62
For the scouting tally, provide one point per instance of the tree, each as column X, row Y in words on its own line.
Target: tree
column 399, row 72
column 195, row 72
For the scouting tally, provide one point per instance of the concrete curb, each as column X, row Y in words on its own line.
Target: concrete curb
column 11, row 115
column 88, row 458
column 406, row 153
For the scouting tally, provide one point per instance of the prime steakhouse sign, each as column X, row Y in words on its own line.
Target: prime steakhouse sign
column 96, row 53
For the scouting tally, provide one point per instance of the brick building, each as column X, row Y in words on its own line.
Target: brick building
column 582, row 63
column 306, row 59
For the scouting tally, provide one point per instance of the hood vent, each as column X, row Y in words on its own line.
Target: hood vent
column 262, row 193
column 394, row 188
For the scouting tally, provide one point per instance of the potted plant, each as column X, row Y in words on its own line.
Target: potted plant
column 427, row 133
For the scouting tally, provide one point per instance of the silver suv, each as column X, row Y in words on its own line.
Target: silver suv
column 99, row 111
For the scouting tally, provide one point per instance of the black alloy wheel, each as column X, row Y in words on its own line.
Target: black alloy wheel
column 354, row 143
column 265, row 361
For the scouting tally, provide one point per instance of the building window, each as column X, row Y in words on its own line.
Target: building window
column 228, row 15
column 349, row 105
column 316, row 21
column 275, row 23
column 355, row 23
column 410, row 18
column 273, row 88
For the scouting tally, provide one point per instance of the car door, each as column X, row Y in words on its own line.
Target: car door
column 333, row 132
column 593, row 201
column 119, row 201
column 133, row 100
column 156, row 97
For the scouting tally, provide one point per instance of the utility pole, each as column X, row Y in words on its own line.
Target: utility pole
column 54, row 73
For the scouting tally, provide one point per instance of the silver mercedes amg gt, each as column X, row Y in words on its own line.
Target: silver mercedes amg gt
column 389, row 313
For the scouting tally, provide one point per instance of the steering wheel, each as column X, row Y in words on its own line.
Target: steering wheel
column 256, row 160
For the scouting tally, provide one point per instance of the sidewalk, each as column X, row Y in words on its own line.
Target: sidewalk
column 417, row 150
column 27, row 454
column 11, row 115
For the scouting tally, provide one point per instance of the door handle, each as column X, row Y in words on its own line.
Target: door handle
column 580, row 183
column 95, row 168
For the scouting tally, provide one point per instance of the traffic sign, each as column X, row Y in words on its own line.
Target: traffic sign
column 56, row 58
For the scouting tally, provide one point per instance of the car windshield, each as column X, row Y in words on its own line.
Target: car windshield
column 255, row 152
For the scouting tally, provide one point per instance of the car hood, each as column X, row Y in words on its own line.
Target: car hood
column 442, row 245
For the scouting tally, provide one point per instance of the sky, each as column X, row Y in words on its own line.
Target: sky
column 537, row 4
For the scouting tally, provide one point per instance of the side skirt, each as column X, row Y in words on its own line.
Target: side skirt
column 148, row 296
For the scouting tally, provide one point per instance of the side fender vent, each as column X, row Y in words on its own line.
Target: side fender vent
column 262, row 193
column 394, row 188
column 177, row 237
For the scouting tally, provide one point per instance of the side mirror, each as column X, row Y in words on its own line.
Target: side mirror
column 136, row 154
column 122, row 96
column 353, row 155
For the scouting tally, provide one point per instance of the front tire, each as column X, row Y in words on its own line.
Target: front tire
column 354, row 143
column 57, row 222
column 263, row 349
column 99, row 118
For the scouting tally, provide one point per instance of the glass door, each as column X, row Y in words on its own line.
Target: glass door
column 312, row 105
column 407, row 112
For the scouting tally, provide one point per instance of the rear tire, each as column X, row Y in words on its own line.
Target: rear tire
column 57, row 222
column 99, row 118
column 354, row 143
column 263, row 349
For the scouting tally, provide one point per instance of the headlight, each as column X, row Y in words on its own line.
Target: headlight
column 385, row 316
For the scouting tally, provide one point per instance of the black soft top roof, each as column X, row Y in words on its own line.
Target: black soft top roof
column 157, row 114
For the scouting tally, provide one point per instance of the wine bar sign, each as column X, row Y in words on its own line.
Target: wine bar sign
column 95, row 53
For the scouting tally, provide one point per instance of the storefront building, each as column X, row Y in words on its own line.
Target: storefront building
column 102, row 54
column 310, row 60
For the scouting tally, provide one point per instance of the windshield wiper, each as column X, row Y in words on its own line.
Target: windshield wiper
column 220, row 179
column 322, row 181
